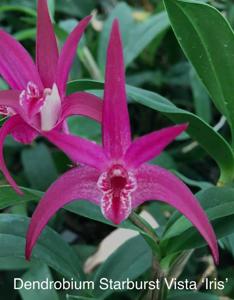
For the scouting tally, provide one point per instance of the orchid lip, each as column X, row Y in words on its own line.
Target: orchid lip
column 117, row 185
column 47, row 103
column 6, row 111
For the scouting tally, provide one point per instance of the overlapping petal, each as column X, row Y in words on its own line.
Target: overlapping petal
column 16, row 65
column 156, row 183
column 24, row 134
column 10, row 98
column 83, row 104
column 68, row 53
column 78, row 183
column 46, row 47
column 8, row 127
column 80, row 150
column 149, row 146
column 116, row 125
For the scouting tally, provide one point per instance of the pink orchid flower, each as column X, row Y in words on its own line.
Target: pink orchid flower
column 117, row 176
column 37, row 102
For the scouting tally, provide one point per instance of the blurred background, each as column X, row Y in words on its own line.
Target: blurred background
column 155, row 62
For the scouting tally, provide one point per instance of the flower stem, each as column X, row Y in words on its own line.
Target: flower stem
column 90, row 64
column 157, row 273
column 142, row 224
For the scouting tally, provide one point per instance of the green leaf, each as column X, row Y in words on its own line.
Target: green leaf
column 84, row 127
column 18, row 8
column 51, row 249
column 10, row 198
column 202, row 101
column 51, row 6
column 136, row 36
column 92, row 211
column 142, row 34
column 25, row 34
column 39, row 166
column 130, row 260
column 218, row 204
column 192, row 296
column 75, row 8
column 39, row 272
column 72, row 297
column 200, row 184
column 13, row 263
column 208, row 41
column 214, row 144
column 228, row 243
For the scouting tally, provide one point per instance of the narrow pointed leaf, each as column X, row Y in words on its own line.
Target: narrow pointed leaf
column 131, row 260
column 39, row 175
column 38, row 272
column 51, row 248
column 207, row 137
column 137, row 35
column 142, row 34
column 193, row 296
column 219, row 206
column 9, row 198
column 217, row 202
column 208, row 41
column 18, row 8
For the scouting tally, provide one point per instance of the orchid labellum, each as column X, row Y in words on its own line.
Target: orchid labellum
column 37, row 101
column 116, row 175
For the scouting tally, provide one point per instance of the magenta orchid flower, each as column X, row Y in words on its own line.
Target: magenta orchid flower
column 117, row 176
column 37, row 102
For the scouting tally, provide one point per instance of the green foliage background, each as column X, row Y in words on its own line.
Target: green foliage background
column 163, row 87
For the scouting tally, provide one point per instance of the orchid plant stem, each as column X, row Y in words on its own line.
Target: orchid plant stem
column 179, row 264
column 157, row 272
column 90, row 63
column 142, row 224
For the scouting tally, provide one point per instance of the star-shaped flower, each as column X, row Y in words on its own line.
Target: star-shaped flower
column 37, row 102
column 116, row 175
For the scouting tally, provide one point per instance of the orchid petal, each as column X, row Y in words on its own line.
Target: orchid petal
column 116, row 125
column 8, row 127
column 84, row 104
column 157, row 183
column 46, row 49
column 78, row 183
column 16, row 65
column 148, row 146
column 24, row 134
column 78, row 149
column 10, row 98
column 51, row 109
column 68, row 53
